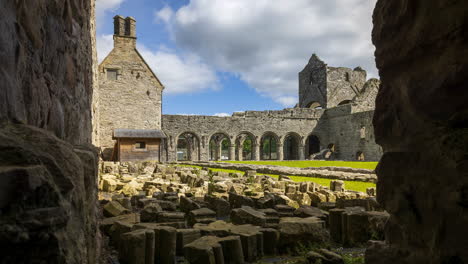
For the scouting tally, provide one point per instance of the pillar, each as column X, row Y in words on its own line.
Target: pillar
column 279, row 149
column 232, row 152
column 218, row 151
column 256, row 151
column 239, row 152
column 301, row 152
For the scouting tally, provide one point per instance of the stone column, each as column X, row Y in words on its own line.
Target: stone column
column 279, row 151
column 218, row 151
column 239, row 153
column 256, row 151
column 232, row 152
column 301, row 152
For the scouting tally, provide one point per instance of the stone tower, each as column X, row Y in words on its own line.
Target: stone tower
column 326, row 87
column 130, row 93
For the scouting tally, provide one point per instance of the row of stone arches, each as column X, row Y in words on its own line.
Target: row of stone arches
column 247, row 146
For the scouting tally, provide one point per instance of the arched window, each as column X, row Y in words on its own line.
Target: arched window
column 314, row 105
column 312, row 145
column 269, row 147
column 291, row 146
column 360, row 156
column 188, row 147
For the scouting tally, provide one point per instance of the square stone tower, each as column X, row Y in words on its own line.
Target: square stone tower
column 327, row 87
column 130, row 93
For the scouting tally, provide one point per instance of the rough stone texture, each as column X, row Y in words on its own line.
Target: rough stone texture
column 421, row 122
column 341, row 126
column 133, row 100
column 48, row 198
column 327, row 87
column 48, row 184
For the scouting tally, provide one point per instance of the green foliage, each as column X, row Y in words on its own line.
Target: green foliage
column 350, row 259
column 313, row 163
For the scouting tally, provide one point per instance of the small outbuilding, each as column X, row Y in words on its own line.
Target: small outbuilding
column 137, row 144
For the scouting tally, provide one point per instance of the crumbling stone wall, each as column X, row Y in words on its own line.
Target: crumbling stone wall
column 421, row 122
column 329, row 86
column 340, row 126
column 48, row 169
column 132, row 101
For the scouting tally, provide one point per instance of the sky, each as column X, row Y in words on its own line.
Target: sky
column 216, row 57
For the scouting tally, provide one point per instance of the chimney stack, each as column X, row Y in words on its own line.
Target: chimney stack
column 124, row 27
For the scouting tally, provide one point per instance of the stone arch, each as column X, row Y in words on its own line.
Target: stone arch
column 314, row 105
column 312, row 145
column 345, row 102
column 360, row 156
column 245, row 146
column 219, row 145
column 188, row 146
column 269, row 144
column 291, row 146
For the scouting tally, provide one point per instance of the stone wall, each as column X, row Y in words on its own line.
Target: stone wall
column 320, row 85
column 340, row 126
column 133, row 101
column 48, row 169
column 313, row 83
column 421, row 122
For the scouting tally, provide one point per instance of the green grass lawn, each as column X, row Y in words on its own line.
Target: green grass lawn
column 312, row 163
column 349, row 185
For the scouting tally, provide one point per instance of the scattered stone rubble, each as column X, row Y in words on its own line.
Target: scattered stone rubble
column 339, row 173
column 158, row 213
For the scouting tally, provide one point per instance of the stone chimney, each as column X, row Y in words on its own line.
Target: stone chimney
column 124, row 32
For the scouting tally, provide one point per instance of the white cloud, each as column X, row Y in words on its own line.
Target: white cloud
column 222, row 114
column 165, row 14
column 268, row 42
column 103, row 6
column 180, row 74
column 104, row 44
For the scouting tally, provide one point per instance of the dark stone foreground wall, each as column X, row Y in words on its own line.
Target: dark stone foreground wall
column 421, row 120
column 48, row 168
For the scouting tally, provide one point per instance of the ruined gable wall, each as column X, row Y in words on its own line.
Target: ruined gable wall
column 313, row 83
column 48, row 172
column 134, row 99
column 365, row 101
column 343, row 84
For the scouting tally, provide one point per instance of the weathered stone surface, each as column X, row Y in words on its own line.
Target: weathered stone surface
column 113, row 208
column 294, row 230
column 150, row 213
column 219, row 205
column 271, row 238
column 48, row 193
column 137, row 247
column 237, row 201
column 420, row 121
column 205, row 250
column 248, row 215
column 165, row 242
column 232, row 250
column 202, row 216
column 45, row 46
column 184, row 237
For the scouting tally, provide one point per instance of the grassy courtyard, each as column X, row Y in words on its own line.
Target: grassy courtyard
column 349, row 185
column 313, row 163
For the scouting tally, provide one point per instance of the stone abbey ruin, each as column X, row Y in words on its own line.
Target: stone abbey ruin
column 333, row 118
column 60, row 204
